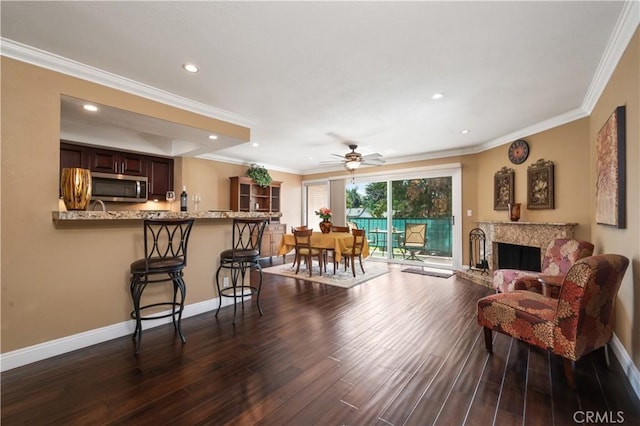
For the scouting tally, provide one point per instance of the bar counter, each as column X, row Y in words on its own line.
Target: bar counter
column 86, row 215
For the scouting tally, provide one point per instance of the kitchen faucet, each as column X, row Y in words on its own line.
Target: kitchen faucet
column 93, row 207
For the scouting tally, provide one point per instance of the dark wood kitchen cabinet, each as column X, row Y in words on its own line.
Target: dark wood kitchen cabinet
column 159, row 170
column 73, row 156
column 160, row 173
column 123, row 163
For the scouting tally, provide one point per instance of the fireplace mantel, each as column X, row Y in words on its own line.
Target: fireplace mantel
column 532, row 234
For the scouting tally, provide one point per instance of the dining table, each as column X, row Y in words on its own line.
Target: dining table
column 340, row 242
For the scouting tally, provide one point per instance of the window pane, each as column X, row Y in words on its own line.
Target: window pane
column 317, row 197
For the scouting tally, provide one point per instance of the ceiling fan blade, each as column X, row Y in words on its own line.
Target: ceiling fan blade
column 338, row 155
column 331, row 162
column 374, row 161
column 371, row 156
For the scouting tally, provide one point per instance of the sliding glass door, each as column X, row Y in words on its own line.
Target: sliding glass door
column 410, row 217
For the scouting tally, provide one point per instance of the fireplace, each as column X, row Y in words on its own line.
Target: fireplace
column 529, row 234
column 515, row 256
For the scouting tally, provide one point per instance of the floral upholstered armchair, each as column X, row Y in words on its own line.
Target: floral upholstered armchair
column 560, row 255
column 577, row 323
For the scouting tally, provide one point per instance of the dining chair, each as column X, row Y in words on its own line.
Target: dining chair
column 294, row 228
column 343, row 229
column 359, row 236
column 304, row 250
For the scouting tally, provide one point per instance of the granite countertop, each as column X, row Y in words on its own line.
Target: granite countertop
column 84, row 215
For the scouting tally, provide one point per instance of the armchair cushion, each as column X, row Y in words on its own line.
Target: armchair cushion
column 524, row 315
column 504, row 280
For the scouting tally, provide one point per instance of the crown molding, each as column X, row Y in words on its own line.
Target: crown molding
column 620, row 37
column 541, row 126
column 231, row 160
column 53, row 62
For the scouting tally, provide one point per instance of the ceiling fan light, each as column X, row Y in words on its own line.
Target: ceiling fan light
column 352, row 164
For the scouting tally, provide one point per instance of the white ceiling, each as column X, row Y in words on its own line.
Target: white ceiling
column 310, row 77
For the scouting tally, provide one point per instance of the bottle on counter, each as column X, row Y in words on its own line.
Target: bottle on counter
column 184, row 199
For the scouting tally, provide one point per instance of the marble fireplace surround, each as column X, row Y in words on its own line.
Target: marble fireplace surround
column 532, row 234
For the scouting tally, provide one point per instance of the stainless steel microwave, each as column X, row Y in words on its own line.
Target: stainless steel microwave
column 120, row 188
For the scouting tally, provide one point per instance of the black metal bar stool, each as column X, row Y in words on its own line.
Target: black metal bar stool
column 165, row 249
column 245, row 254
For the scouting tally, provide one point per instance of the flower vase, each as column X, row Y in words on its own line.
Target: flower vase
column 325, row 226
column 75, row 184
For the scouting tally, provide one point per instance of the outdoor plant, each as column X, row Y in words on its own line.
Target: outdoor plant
column 260, row 175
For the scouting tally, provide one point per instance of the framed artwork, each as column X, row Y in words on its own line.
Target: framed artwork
column 503, row 189
column 540, row 185
column 611, row 171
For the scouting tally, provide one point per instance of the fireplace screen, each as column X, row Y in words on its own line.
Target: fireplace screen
column 478, row 250
column 524, row 258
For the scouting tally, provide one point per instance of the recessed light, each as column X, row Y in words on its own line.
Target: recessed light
column 255, row 144
column 465, row 131
column 213, row 137
column 437, row 96
column 90, row 107
column 190, row 67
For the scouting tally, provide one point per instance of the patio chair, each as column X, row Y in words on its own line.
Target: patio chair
column 414, row 241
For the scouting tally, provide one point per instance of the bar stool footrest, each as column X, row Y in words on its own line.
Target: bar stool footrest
column 157, row 316
column 240, row 291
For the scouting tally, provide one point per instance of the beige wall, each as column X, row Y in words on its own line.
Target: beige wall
column 568, row 147
column 623, row 89
column 61, row 279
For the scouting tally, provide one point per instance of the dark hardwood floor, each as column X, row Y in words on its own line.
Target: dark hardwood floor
column 401, row 349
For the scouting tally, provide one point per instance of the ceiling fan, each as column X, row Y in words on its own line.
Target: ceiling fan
column 352, row 160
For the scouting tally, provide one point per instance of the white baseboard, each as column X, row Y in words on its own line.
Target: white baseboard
column 629, row 368
column 49, row 349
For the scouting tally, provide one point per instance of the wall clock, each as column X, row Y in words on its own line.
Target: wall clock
column 518, row 151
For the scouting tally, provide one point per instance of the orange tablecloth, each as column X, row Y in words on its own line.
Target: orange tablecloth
column 340, row 242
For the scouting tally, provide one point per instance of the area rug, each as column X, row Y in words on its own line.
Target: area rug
column 429, row 272
column 341, row 278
